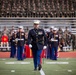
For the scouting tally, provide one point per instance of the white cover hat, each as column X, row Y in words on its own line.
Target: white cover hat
column 20, row 27
column 36, row 21
column 15, row 30
column 55, row 29
column 52, row 27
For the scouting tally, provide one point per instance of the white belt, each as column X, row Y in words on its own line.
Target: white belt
column 54, row 40
column 20, row 39
column 13, row 40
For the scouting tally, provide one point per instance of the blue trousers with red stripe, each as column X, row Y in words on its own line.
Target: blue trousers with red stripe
column 20, row 52
column 54, row 53
column 36, row 57
column 13, row 51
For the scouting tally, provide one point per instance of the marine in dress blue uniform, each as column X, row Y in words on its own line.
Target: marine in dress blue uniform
column 37, row 41
column 20, row 43
column 49, row 49
column 54, row 38
column 13, row 44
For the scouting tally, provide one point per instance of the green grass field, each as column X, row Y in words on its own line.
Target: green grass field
column 16, row 68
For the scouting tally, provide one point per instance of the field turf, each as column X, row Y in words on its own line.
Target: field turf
column 63, row 66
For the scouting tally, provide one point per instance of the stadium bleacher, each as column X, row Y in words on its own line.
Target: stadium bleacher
column 28, row 23
column 37, row 8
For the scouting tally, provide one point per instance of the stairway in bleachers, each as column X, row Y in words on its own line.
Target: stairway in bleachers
column 73, row 29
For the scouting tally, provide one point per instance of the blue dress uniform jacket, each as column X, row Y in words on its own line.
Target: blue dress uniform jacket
column 21, row 38
column 12, row 40
column 37, row 38
column 55, row 41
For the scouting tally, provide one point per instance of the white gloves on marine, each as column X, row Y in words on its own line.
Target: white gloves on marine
column 30, row 45
column 44, row 47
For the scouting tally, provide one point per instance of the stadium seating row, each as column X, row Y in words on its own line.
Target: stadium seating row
column 37, row 8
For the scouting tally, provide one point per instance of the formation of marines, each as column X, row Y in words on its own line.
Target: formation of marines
column 37, row 40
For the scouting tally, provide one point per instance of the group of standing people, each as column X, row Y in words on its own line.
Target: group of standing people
column 37, row 40
column 63, row 39
column 53, row 43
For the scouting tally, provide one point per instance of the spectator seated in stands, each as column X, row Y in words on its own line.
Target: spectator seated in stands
column 4, row 40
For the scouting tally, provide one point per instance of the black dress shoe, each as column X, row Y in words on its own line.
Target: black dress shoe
column 39, row 67
column 35, row 69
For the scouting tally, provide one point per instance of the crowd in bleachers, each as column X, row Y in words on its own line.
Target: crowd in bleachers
column 37, row 8
column 67, row 39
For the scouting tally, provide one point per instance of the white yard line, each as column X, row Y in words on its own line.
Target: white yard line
column 12, row 70
column 66, row 70
column 69, row 70
column 3, row 59
column 17, row 62
column 57, row 62
column 42, row 72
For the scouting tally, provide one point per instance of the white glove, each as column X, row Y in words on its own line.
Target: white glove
column 30, row 45
column 52, row 39
column 44, row 47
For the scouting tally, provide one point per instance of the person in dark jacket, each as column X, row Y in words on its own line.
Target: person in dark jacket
column 73, row 41
column 37, row 42
column 54, row 38
column 13, row 44
column 20, row 43
column 49, row 51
